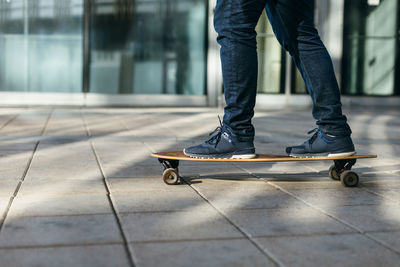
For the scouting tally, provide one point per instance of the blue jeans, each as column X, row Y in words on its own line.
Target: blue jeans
column 292, row 23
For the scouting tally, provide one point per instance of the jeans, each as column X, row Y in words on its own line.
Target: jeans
column 293, row 25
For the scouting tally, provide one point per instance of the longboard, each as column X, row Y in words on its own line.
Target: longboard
column 340, row 170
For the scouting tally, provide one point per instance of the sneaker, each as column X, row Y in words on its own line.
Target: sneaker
column 323, row 145
column 222, row 144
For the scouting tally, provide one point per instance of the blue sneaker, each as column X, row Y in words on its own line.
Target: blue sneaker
column 323, row 145
column 222, row 144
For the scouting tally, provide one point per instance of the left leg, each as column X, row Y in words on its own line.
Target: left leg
column 292, row 22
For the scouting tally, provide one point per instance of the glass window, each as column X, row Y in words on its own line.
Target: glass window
column 370, row 36
column 269, row 58
column 148, row 47
column 298, row 86
column 41, row 41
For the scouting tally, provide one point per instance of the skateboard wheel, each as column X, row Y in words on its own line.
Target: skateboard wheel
column 334, row 173
column 349, row 178
column 171, row 176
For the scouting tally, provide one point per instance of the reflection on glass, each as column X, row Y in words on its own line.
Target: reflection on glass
column 298, row 86
column 269, row 58
column 148, row 47
column 41, row 44
column 370, row 35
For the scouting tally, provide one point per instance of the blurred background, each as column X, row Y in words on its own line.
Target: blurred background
column 163, row 52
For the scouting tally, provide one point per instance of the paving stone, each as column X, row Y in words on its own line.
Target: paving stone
column 175, row 145
column 391, row 239
column 27, row 123
column 150, row 185
column 370, row 218
column 182, row 126
column 132, row 171
column 213, row 170
column 7, row 187
column 104, row 124
column 380, row 181
column 250, row 199
column 53, row 205
column 59, row 230
column 195, row 224
column 4, row 201
column 233, row 252
column 13, row 164
column 62, row 171
column 289, row 183
column 329, row 250
column 162, row 201
column 65, row 150
column 84, row 256
column 6, row 118
column 46, row 187
column 156, row 126
column 69, row 161
column 63, row 122
column 222, row 182
column 224, row 176
column 286, row 221
column 16, row 145
column 274, row 167
column 337, row 197
column 124, row 153
column 393, row 194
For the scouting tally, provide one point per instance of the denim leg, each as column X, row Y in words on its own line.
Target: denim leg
column 235, row 22
column 293, row 25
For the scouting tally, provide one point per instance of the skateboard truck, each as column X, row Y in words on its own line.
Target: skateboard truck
column 171, row 171
column 341, row 170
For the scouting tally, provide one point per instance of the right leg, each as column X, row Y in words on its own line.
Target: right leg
column 235, row 22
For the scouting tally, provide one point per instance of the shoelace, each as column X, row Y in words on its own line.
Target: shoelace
column 315, row 135
column 216, row 138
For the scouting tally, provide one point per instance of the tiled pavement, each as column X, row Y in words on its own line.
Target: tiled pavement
column 78, row 188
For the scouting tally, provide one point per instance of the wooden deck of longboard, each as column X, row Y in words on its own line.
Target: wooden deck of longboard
column 178, row 155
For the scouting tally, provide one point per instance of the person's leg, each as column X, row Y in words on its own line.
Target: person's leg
column 235, row 22
column 293, row 24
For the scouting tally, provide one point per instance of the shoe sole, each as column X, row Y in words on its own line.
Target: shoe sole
column 316, row 155
column 226, row 156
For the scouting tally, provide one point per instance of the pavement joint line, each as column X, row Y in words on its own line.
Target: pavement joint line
column 9, row 121
column 382, row 243
column 47, row 122
column 225, row 209
column 243, row 238
column 62, row 245
column 62, row 215
column 88, row 132
column 187, row 240
column 264, row 251
column 18, row 187
column 128, row 249
column 360, row 231
column 381, row 195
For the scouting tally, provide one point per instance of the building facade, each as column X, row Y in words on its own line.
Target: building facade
column 163, row 52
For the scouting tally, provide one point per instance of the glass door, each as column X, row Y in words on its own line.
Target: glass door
column 371, row 41
column 41, row 45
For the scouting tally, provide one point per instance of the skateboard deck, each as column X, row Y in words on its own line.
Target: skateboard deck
column 340, row 170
